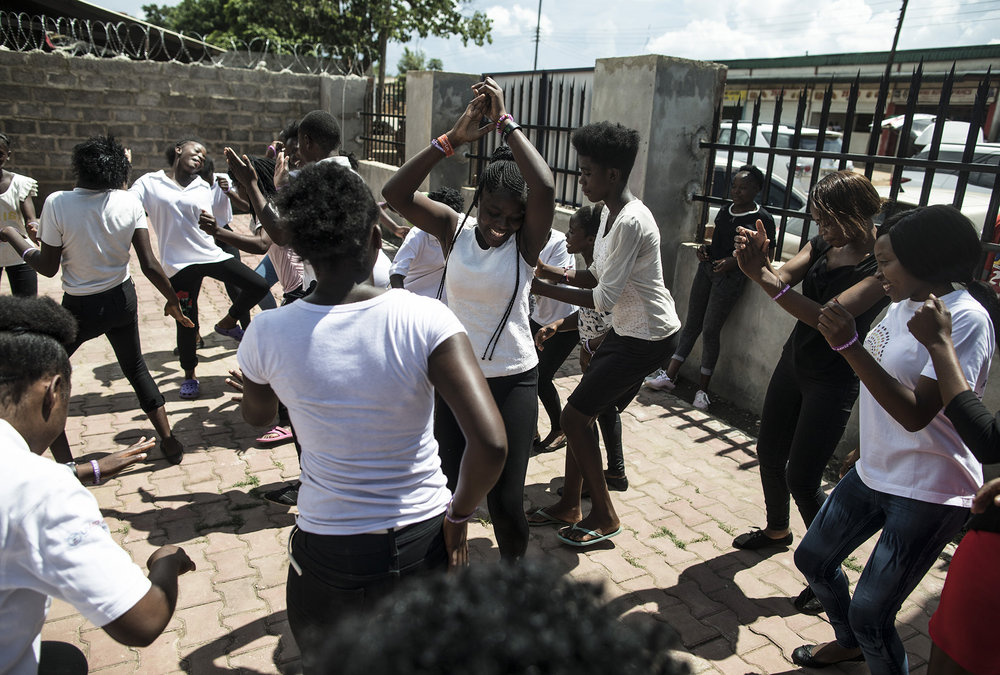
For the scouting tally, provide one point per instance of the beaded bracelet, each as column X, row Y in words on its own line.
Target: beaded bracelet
column 781, row 292
column 452, row 519
column 97, row 471
column 24, row 256
column 847, row 344
column 503, row 118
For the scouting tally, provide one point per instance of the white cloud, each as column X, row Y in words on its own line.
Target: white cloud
column 517, row 20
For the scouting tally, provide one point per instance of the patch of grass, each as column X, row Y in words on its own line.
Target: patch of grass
column 250, row 481
column 728, row 529
column 280, row 465
column 633, row 561
column 703, row 537
column 123, row 530
column 853, row 565
column 677, row 541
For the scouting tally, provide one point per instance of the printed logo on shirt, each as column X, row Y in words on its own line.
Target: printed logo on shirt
column 77, row 537
column 876, row 341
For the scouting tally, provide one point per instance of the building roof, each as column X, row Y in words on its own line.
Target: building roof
column 976, row 52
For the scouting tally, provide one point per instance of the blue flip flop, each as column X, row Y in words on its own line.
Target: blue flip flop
column 597, row 537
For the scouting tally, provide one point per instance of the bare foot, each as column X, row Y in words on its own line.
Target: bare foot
column 557, row 511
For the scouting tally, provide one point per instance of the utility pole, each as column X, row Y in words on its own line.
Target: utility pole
column 538, row 34
column 895, row 41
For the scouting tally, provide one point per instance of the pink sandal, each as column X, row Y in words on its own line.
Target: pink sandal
column 276, row 435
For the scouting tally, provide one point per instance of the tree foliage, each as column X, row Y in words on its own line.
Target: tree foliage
column 358, row 28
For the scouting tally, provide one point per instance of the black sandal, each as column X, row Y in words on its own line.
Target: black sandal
column 756, row 539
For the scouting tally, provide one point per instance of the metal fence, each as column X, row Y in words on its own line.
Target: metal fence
column 794, row 157
column 138, row 40
column 548, row 105
column 383, row 121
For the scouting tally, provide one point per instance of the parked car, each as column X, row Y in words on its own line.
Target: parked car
column 974, row 205
column 912, row 180
column 777, row 187
column 784, row 137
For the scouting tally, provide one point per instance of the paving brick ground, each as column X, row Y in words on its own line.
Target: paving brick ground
column 694, row 484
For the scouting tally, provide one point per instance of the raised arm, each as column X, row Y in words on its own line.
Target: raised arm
column 751, row 255
column 257, row 243
column 243, row 171
column 402, row 191
column 541, row 206
column 980, row 430
column 456, row 376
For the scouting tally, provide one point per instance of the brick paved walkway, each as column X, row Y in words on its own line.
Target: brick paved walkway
column 694, row 484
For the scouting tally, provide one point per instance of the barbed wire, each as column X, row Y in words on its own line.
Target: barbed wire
column 144, row 42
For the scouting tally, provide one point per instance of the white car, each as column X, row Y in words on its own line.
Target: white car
column 979, row 181
column 784, row 137
column 974, row 205
column 797, row 201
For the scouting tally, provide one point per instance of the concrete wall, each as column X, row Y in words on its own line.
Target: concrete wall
column 671, row 102
column 434, row 101
column 54, row 101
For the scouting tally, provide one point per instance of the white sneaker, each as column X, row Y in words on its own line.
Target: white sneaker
column 659, row 381
column 701, row 400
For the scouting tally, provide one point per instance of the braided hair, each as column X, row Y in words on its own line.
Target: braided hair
column 502, row 174
column 34, row 335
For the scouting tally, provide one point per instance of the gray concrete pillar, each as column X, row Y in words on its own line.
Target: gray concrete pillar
column 344, row 98
column 434, row 101
column 671, row 102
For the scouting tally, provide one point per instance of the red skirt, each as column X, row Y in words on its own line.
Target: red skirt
column 962, row 625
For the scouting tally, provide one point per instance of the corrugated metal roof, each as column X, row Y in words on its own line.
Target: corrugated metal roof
column 868, row 58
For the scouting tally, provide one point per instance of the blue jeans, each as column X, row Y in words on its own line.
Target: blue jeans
column 266, row 270
column 712, row 298
column 913, row 535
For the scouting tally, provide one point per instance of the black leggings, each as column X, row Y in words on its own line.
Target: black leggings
column 187, row 284
column 610, row 424
column 802, row 422
column 557, row 348
column 232, row 290
column 517, row 398
column 23, row 280
column 113, row 313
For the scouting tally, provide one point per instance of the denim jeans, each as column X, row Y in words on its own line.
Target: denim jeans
column 913, row 535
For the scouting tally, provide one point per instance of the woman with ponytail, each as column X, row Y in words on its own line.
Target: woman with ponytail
column 488, row 271
column 915, row 479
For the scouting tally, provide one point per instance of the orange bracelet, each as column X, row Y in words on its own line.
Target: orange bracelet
column 445, row 145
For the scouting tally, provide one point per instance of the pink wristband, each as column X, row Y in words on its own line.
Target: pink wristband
column 847, row 344
column 454, row 520
column 781, row 292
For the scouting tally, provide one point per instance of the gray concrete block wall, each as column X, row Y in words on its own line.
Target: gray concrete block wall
column 55, row 101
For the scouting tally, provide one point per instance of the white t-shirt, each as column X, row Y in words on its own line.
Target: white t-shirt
column 20, row 188
column 931, row 465
column 630, row 275
column 380, row 272
column 554, row 253
column 420, row 261
column 341, row 370
column 174, row 211
column 94, row 229
column 480, row 284
column 53, row 543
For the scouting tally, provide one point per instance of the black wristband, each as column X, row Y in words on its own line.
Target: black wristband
column 510, row 127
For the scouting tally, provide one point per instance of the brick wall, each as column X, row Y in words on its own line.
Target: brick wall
column 53, row 101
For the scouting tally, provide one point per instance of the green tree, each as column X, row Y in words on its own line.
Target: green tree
column 358, row 30
column 415, row 59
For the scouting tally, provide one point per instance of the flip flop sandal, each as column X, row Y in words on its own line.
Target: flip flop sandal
column 542, row 517
column 276, row 435
column 235, row 332
column 190, row 389
column 596, row 537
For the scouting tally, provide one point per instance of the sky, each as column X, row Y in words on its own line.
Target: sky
column 574, row 33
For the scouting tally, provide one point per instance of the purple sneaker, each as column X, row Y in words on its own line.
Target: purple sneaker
column 235, row 332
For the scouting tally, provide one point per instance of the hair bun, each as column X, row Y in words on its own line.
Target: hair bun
column 502, row 153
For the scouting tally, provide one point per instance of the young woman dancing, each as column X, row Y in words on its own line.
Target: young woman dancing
column 812, row 391
column 915, row 479
column 374, row 507
column 488, row 279
column 89, row 232
column 18, row 211
column 174, row 199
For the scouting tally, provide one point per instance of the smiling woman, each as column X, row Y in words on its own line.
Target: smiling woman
column 489, row 263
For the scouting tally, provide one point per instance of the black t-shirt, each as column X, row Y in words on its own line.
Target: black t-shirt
column 808, row 348
column 725, row 230
column 979, row 430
